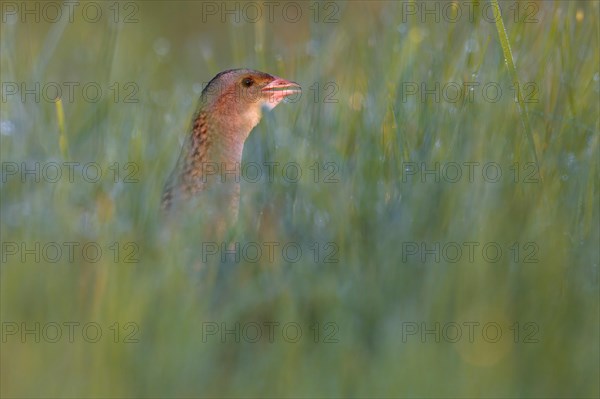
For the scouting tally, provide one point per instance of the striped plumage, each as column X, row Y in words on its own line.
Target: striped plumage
column 230, row 106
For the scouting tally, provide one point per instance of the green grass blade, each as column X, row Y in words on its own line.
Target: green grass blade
column 508, row 58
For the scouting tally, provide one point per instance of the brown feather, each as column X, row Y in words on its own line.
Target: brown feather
column 228, row 111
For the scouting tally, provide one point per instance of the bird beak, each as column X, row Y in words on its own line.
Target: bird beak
column 279, row 88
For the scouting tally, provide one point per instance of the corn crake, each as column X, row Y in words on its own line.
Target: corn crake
column 207, row 172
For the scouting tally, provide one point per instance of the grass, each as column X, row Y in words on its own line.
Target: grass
column 379, row 269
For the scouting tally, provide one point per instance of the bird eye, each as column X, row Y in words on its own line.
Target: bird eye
column 248, row 82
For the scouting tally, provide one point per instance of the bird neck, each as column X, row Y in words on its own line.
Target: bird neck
column 227, row 145
column 229, row 132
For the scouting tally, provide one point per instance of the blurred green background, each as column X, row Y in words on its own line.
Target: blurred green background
column 379, row 302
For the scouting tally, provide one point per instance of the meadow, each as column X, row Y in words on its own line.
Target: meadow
column 423, row 221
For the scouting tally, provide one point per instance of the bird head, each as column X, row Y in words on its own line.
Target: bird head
column 239, row 95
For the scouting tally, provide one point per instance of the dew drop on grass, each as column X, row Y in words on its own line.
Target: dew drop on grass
column 402, row 29
column 206, row 50
column 7, row 128
column 471, row 46
column 162, row 46
column 570, row 159
column 313, row 47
